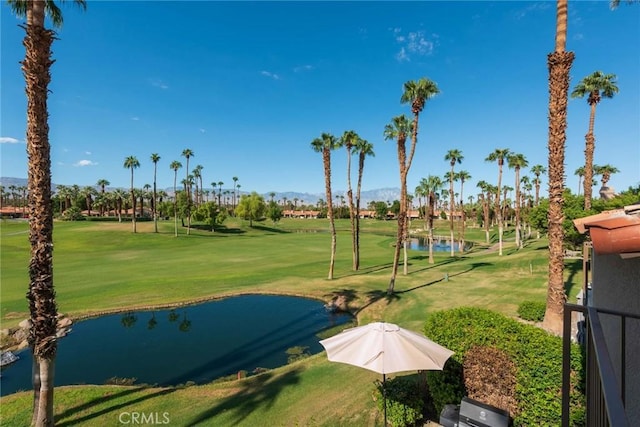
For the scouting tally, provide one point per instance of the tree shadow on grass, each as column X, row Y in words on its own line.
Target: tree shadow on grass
column 220, row 229
column 270, row 229
column 574, row 266
column 257, row 392
column 378, row 295
column 102, row 399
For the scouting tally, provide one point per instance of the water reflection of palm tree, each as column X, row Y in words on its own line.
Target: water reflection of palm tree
column 185, row 325
column 128, row 319
column 173, row 316
column 152, row 322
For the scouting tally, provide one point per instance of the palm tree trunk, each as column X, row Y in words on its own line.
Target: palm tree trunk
column 354, row 265
column 499, row 212
column 358, row 191
column 559, row 64
column 430, row 222
column 590, row 145
column 41, row 295
column 326, row 160
column 402, row 216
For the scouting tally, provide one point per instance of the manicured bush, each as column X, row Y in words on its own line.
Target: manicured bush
column 532, row 310
column 404, row 400
column 537, row 356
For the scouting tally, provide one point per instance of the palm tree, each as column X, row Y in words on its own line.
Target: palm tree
column 462, row 176
column 197, row 175
column 399, row 129
column 559, row 64
column 132, row 163
column 433, row 184
column 364, row 148
column 538, row 170
column 102, row 183
column 416, row 93
column 486, row 203
column 174, row 166
column 155, row 158
column 595, row 86
column 188, row 153
column 517, row 162
column 87, row 192
column 324, row 145
column 235, row 180
column 499, row 155
column 579, row 172
column 220, row 184
column 41, row 295
column 606, row 171
column 349, row 140
column 453, row 156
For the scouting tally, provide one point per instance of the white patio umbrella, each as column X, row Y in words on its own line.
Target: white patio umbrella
column 385, row 348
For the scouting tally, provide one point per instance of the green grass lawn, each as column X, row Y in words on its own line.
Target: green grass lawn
column 102, row 266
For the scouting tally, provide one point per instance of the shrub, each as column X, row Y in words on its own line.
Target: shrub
column 537, row 356
column 403, row 399
column 72, row 214
column 532, row 310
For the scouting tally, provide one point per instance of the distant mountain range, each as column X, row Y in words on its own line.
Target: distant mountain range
column 379, row 195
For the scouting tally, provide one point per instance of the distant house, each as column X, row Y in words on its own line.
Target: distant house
column 612, row 279
column 300, row 214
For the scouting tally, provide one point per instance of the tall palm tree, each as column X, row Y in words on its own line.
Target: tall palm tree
column 596, row 86
column 132, row 163
column 235, row 180
column 416, row 94
column 41, row 295
column 538, row 170
column 324, row 145
column 174, row 166
column 220, row 184
column 364, row 149
column 348, row 140
column 559, row 64
column 462, row 176
column 197, row 175
column 399, row 129
column 155, row 158
column 486, row 203
column 187, row 153
column 516, row 162
column 453, row 156
column 499, row 155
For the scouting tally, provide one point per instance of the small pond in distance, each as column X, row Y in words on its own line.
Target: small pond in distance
column 196, row 343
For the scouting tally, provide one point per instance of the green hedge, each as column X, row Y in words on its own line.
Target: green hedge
column 532, row 310
column 537, row 355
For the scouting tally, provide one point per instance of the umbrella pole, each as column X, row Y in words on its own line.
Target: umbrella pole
column 384, row 397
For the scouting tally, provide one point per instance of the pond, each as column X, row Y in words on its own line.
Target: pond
column 197, row 343
column 439, row 245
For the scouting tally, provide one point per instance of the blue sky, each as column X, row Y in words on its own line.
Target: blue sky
column 248, row 85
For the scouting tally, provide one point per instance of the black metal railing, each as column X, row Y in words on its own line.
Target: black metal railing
column 605, row 394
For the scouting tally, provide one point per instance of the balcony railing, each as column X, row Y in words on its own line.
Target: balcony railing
column 605, row 394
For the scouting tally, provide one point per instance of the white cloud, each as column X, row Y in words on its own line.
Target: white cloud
column 8, row 140
column 402, row 55
column 135, row 119
column 158, row 83
column 270, row 75
column 88, row 153
column 534, row 7
column 202, row 130
column 414, row 43
column 301, row 68
column 82, row 163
